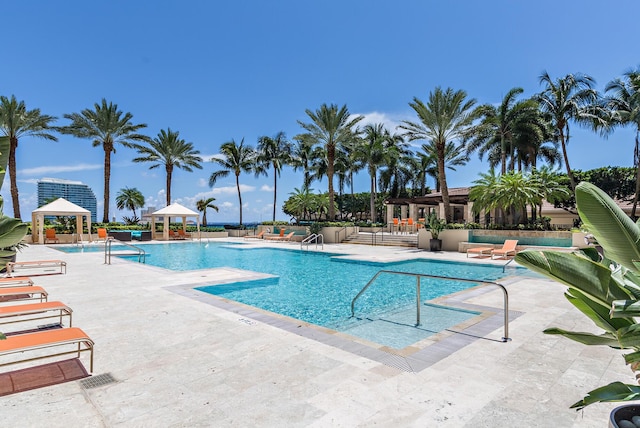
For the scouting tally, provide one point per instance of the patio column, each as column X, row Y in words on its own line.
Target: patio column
column 403, row 211
column 390, row 208
column 468, row 215
column 413, row 211
column 441, row 213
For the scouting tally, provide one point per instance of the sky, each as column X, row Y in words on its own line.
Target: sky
column 217, row 71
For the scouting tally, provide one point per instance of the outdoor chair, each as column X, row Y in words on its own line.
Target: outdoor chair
column 50, row 235
column 508, row 249
column 102, row 234
column 480, row 251
column 258, row 236
column 183, row 235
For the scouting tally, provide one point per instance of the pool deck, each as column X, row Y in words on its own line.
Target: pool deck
column 172, row 356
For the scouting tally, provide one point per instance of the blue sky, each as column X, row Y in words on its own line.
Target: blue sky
column 216, row 71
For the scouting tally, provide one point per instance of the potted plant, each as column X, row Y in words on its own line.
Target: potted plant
column 436, row 226
column 606, row 288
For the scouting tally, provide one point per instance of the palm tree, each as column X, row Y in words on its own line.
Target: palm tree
column 502, row 127
column 624, row 101
column 372, row 151
column 17, row 122
column 130, row 198
column 170, row 151
column 302, row 156
column 447, row 116
column 106, row 126
column 202, row 205
column 568, row 98
column 453, row 156
column 273, row 152
column 330, row 127
column 236, row 158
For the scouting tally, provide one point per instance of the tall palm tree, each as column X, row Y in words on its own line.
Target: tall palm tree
column 17, row 122
column 106, row 126
column 274, row 152
column 454, row 155
column 447, row 116
column 624, row 101
column 170, row 151
column 130, row 198
column 372, row 151
column 502, row 127
column 302, row 157
column 566, row 99
column 202, row 205
column 236, row 158
column 330, row 127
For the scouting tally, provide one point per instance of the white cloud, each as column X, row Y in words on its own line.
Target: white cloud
column 203, row 183
column 56, row 169
column 266, row 188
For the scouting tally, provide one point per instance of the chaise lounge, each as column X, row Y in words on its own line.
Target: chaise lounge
column 30, row 292
column 480, row 251
column 71, row 337
column 509, row 248
column 22, row 313
column 37, row 264
column 258, row 236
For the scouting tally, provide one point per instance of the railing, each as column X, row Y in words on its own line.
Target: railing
column 374, row 235
column 505, row 338
column 337, row 234
column 314, row 237
column 504, row 267
column 142, row 256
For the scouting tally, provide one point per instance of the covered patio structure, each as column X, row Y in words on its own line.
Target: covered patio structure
column 173, row 210
column 421, row 206
column 59, row 207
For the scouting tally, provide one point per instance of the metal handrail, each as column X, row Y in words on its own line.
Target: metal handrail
column 314, row 237
column 142, row 255
column 504, row 267
column 506, row 337
column 374, row 236
column 337, row 234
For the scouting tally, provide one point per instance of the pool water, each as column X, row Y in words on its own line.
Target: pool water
column 318, row 287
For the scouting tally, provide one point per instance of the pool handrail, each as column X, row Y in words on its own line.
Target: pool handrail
column 142, row 256
column 337, row 234
column 505, row 338
column 314, row 237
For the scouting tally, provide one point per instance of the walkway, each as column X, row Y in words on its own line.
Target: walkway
column 177, row 360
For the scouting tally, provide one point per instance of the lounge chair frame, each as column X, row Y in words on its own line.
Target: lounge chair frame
column 480, row 251
column 40, row 340
column 509, row 248
column 17, row 281
column 22, row 313
column 37, row 264
column 31, row 291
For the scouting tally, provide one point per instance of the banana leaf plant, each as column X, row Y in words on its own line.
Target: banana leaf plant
column 606, row 288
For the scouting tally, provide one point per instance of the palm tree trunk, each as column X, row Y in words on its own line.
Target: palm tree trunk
column 637, row 159
column 204, row 217
column 169, row 169
column 331, row 153
column 572, row 181
column 239, row 196
column 373, row 199
column 442, row 180
column 12, row 177
column 275, row 190
column 107, row 177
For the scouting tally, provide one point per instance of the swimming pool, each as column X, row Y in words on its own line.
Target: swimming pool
column 318, row 287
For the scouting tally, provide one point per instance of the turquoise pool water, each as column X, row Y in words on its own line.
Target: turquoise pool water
column 318, row 287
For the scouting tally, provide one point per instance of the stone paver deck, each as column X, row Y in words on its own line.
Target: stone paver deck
column 169, row 356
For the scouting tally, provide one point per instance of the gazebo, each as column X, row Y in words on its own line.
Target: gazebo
column 59, row 207
column 173, row 210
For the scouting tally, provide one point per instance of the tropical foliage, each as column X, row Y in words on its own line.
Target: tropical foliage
column 273, row 152
column 448, row 116
column 16, row 122
column 130, row 198
column 170, row 151
column 605, row 287
column 105, row 126
column 202, row 205
column 236, row 158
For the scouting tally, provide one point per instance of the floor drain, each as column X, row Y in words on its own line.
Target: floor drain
column 98, row 380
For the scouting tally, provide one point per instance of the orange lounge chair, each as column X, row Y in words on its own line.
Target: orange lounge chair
column 258, row 236
column 23, row 293
column 37, row 264
column 50, row 235
column 276, row 237
column 480, row 251
column 73, row 339
column 102, row 234
column 18, row 281
column 174, row 235
column 183, row 235
column 509, row 248
column 20, row 313
column 285, row 238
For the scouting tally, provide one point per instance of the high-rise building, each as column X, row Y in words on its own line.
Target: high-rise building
column 77, row 192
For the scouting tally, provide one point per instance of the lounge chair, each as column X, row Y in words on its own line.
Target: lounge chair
column 73, row 339
column 258, row 236
column 275, row 237
column 50, row 235
column 18, row 281
column 37, row 264
column 21, row 313
column 284, row 238
column 174, row 235
column 509, row 248
column 183, row 235
column 480, row 251
column 30, row 292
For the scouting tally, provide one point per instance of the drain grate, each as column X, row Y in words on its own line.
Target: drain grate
column 98, row 380
column 396, row 361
